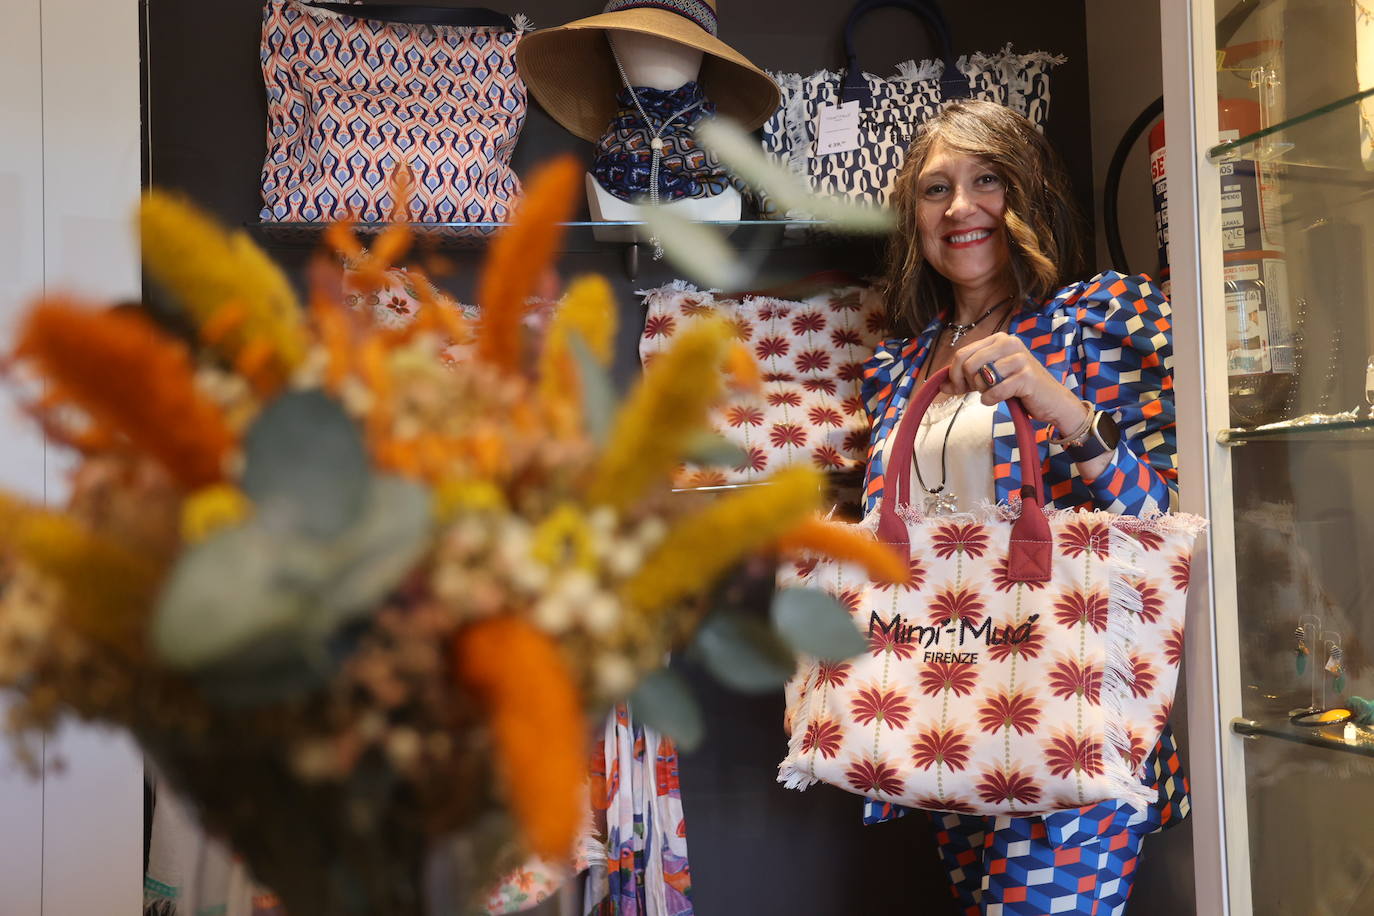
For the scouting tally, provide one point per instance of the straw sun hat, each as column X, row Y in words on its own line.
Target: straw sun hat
column 570, row 70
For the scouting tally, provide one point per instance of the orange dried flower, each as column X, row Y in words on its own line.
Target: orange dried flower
column 519, row 257
column 127, row 376
column 847, row 544
column 535, row 715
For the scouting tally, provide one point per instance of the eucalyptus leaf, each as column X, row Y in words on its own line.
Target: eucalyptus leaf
column 814, row 623
column 236, row 589
column 663, row 701
column 743, row 653
column 598, row 394
column 373, row 556
column 305, row 465
column 699, row 251
column 713, row 449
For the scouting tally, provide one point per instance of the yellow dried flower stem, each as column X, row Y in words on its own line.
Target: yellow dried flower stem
column 667, row 409
column 848, row 544
column 204, row 267
column 211, row 509
column 744, row 369
column 107, row 590
column 332, row 327
column 702, row 546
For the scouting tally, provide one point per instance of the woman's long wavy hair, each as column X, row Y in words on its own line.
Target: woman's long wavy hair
column 1044, row 229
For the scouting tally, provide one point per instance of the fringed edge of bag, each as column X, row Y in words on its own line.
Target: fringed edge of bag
column 1118, row 675
column 917, row 70
column 791, row 773
column 1155, row 522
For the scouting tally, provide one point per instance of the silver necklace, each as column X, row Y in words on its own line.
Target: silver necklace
column 961, row 329
column 938, row 501
column 655, row 142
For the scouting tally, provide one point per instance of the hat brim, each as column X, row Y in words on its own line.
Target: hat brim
column 570, row 71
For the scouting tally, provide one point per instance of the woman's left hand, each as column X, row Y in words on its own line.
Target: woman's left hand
column 1023, row 376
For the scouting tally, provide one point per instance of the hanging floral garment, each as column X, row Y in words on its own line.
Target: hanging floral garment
column 638, row 857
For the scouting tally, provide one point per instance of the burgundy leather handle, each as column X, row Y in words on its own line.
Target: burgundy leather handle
column 1031, row 541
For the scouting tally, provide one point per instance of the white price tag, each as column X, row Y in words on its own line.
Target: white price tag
column 837, row 129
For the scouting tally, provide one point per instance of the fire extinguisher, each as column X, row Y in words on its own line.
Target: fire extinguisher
column 1259, row 325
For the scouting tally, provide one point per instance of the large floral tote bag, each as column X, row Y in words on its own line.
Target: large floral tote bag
column 1021, row 669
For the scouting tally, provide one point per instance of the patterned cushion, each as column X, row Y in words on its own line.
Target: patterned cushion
column 985, row 696
column 810, row 352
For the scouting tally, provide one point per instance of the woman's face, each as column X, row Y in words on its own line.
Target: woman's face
column 959, row 218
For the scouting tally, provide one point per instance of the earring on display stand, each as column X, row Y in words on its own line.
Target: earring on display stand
column 1305, row 636
column 1335, row 666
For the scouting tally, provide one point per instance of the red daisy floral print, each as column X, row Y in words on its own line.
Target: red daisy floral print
column 1074, row 608
column 846, row 337
column 825, row 416
column 1002, row 581
column 1173, row 646
column 784, row 398
column 820, row 385
column 956, row 605
column 659, row 326
column 1068, row 679
column 945, row 747
column 1008, row 786
column 771, row 347
column 1027, row 648
column 1181, row 571
column 1151, row 600
column 956, row 677
column 1079, row 538
column 832, row 674
column 826, row 457
column 824, row 737
column 1142, row 676
column 756, row 459
column 889, row 707
column 1017, row 711
column 742, row 415
column 874, row 777
column 1067, row 754
column 968, row 538
column 808, row 323
column 784, row 434
column 813, row 361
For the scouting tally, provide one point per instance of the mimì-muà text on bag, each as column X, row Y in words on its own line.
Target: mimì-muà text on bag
column 1027, row 666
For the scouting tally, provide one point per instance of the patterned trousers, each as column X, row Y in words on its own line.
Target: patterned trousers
column 1006, row 866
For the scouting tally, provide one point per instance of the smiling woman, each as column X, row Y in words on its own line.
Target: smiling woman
column 981, row 274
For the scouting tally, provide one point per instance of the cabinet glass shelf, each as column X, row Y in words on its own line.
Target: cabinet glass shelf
column 1335, row 429
column 1348, row 737
column 1305, row 139
column 582, row 236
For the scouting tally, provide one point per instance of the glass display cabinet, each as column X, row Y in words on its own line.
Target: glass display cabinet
column 1270, row 108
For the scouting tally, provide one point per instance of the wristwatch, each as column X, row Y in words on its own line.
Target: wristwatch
column 1102, row 437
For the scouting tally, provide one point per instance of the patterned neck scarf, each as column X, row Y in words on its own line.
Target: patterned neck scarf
column 624, row 153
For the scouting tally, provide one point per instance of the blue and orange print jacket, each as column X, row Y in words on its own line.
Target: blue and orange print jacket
column 1110, row 341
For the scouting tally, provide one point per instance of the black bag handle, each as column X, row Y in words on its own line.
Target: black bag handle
column 855, row 88
column 462, row 17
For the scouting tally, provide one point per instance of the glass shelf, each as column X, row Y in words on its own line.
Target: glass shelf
column 1346, row 737
column 585, row 236
column 1335, row 429
column 1301, row 140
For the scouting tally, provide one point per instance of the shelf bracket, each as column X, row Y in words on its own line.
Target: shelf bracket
column 632, row 261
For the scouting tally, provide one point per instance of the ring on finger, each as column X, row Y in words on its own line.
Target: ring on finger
column 991, row 375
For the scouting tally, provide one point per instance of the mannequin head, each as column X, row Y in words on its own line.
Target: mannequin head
column 653, row 61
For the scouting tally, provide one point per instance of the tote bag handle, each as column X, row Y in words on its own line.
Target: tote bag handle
column 1029, row 559
column 855, row 88
column 461, row 17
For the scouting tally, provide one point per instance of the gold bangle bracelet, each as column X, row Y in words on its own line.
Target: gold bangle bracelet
column 1082, row 431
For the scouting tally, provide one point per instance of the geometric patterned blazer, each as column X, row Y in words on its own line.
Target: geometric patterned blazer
column 1110, row 341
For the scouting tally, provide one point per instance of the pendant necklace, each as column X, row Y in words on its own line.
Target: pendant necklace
column 939, row 501
column 961, row 329
column 655, row 143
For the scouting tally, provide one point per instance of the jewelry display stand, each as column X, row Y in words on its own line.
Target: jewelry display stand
column 1317, row 714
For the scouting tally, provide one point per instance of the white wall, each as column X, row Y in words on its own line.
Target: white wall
column 69, row 175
